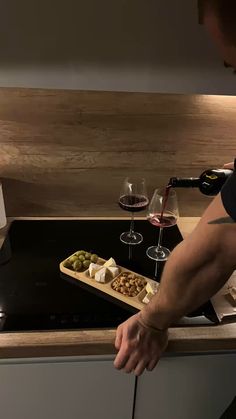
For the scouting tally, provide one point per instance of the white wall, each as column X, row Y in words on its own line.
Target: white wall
column 134, row 45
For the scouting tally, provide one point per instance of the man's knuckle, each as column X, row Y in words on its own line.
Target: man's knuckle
column 129, row 346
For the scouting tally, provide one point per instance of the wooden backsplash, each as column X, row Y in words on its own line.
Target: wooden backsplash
column 65, row 153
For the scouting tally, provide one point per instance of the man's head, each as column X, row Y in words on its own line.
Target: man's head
column 219, row 17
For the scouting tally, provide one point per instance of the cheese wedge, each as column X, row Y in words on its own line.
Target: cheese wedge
column 110, row 263
column 102, row 275
column 114, row 271
column 152, row 287
column 93, row 268
column 147, row 298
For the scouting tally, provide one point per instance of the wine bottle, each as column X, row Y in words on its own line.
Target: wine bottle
column 209, row 183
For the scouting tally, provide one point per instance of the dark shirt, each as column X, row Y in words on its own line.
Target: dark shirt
column 228, row 194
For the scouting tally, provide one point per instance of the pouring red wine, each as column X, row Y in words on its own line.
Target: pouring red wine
column 162, row 212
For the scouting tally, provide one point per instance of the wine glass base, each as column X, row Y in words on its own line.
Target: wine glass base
column 159, row 255
column 132, row 239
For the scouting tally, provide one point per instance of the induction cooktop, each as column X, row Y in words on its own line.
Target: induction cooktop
column 35, row 295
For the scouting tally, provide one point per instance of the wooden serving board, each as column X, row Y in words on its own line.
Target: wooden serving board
column 107, row 288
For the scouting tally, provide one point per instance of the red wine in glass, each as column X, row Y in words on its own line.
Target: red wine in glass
column 133, row 203
column 159, row 219
column 162, row 221
column 162, row 212
column 133, row 198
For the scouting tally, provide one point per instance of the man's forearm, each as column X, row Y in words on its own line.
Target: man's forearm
column 189, row 279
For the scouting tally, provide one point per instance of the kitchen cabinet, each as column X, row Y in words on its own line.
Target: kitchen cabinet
column 187, row 387
column 82, row 388
column 181, row 387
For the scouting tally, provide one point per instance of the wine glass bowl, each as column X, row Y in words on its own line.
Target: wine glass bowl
column 163, row 213
column 133, row 198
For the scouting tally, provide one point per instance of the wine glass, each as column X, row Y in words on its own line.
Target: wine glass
column 162, row 212
column 133, row 198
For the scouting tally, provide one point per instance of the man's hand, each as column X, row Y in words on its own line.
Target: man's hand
column 139, row 346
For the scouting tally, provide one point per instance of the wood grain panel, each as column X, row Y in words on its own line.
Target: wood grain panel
column 66, row 152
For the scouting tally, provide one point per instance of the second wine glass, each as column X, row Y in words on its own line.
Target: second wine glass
column 133, row 198
column 162, row 212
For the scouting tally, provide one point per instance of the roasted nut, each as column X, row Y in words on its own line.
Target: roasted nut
column 129, row 284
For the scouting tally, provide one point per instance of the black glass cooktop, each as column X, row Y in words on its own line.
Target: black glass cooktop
column 34, row 295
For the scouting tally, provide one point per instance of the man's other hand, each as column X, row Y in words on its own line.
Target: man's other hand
column 139, row 346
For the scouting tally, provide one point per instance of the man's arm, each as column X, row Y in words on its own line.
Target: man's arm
column 196, row 269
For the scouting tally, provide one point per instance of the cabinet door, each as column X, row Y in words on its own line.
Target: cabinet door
column 189, row 387
column 87, row 389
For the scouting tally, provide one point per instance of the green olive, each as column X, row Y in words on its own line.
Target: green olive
column 81, row 257
column 67, row 264
column 73, row 258
column 80, row 252
column 86, row 264
column 77, row 265
column 87, row 255
column 94, row 258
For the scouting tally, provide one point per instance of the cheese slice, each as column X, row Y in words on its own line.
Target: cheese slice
column 147, row 298
column 110, row 263
column 114, row 271
column 93, row 268
column 102, row 275
column 152, row 287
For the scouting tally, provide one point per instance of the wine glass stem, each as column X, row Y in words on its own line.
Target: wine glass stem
column 156, row 265
column 160, row 238
column 131, row 230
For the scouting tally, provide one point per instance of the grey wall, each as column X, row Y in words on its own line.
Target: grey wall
column 134, row 45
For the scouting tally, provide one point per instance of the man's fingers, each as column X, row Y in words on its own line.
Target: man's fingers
column 118, row 339
column 132, row 363
column 121, row 358
column 140, row 367
column 152, row 364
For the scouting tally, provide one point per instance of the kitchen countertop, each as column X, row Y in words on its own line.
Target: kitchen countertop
column 101, row 342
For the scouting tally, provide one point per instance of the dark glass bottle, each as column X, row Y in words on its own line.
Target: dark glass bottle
column 209, row 183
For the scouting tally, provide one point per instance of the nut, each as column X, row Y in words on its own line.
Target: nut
column 129, row 284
